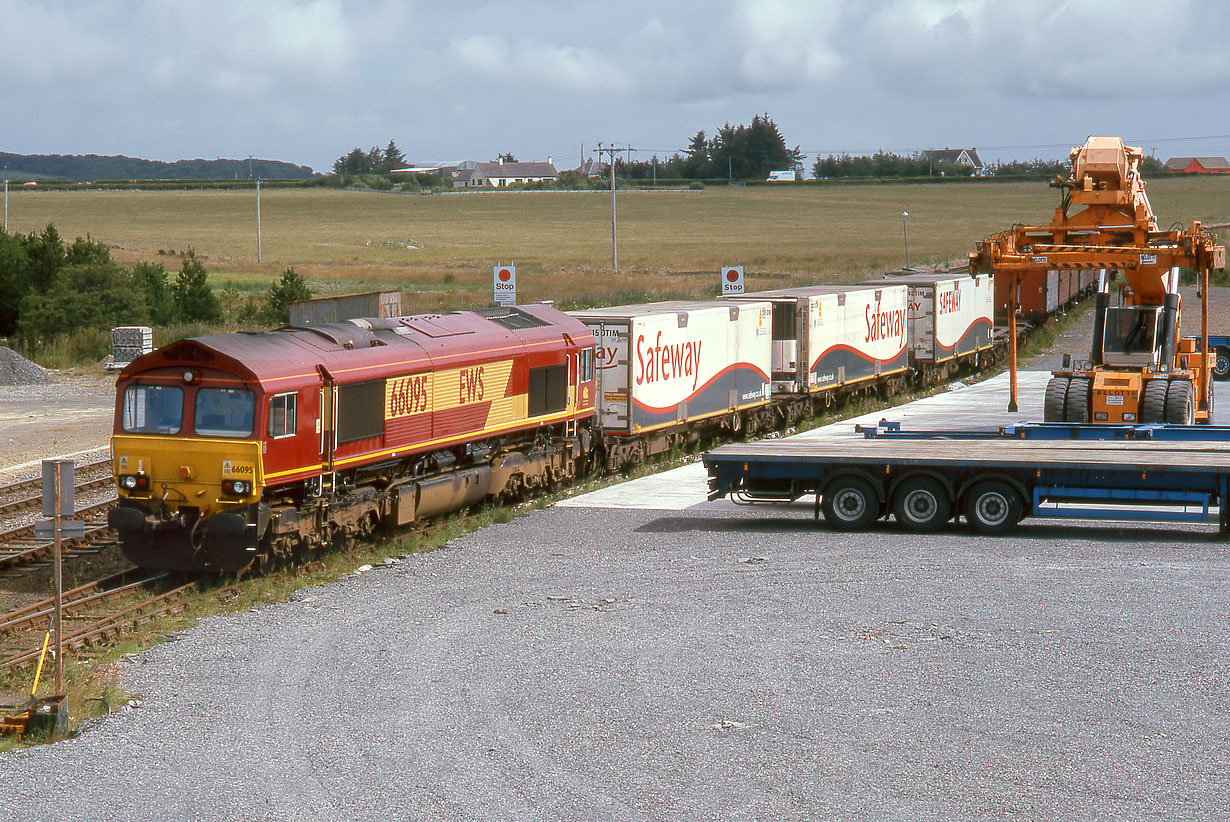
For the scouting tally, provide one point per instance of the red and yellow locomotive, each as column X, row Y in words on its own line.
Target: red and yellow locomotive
column 236, row 449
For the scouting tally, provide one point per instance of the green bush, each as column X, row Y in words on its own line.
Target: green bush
column 192, row 294
column 92, row 296
column 291, row 288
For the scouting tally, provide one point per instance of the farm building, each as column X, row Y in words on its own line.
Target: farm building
column 1198, row 165
column 501, row 174
column 956, row 156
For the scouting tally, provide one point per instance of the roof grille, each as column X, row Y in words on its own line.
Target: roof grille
column 510, row 317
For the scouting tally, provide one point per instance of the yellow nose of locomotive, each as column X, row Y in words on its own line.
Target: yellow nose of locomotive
column 200, row 473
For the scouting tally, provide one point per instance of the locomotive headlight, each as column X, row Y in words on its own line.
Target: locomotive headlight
column 134, row 482
column 238, row 488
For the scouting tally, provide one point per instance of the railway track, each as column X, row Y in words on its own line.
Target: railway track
column 21, row 549
column 96, row 614
column 27, row 487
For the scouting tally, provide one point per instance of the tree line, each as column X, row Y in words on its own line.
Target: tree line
column 50, row 288
column 93, row 167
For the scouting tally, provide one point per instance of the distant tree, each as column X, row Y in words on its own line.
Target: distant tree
column 159, row 300
column 392, row 158
column 352, row 163
column 291, row 288
column 697, row 162
column 15, row 281
column 193, row 296
column 47, row 256
column 92, row 295
column 506, row 158
column 86, row 251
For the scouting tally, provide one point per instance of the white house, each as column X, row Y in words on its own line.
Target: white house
column 501, row 174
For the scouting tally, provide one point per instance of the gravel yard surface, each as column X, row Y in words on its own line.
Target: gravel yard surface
column 709, row 664
column 69, row 416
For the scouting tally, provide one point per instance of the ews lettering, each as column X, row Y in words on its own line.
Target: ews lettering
column 470, row 385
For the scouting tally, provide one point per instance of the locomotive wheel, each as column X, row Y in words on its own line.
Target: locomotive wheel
column 850, row 504
column 1153, row 402
column 1221, row 365
column 1076, row 405
column 1056, row 396
column 993, row 507
column 921, row 504
column 1180, row 403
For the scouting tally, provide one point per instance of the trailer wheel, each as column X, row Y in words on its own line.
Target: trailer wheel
column 1153, row 401
column 1180, row 403
column 850, row 504
column 1076, row 405
column 921, row 504
column 1221, row 365
column 1056, row 395
column 993, row 507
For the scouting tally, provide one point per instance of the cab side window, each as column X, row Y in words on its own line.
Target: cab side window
column 282, row 415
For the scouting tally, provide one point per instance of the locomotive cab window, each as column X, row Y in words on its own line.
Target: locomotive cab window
column 587, row 365
column 282, row 415
column 224, row 412
column 153, row 409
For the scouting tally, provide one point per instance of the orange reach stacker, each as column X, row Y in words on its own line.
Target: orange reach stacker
column 1139, row 368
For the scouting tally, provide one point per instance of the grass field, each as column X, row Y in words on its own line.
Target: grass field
column 441, row 248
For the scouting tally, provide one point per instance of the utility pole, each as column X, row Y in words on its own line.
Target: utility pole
column 905, row 232
column 611, row 151
column 6, row 206
column 258, row 220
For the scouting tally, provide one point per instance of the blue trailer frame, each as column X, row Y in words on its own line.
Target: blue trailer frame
column 994, row 478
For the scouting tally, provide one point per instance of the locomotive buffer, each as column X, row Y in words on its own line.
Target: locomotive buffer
column 994, row 479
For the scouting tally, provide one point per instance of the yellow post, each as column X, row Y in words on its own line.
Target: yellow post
column 38, row 673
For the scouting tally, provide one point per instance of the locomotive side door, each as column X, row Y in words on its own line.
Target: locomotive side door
column 326, row 427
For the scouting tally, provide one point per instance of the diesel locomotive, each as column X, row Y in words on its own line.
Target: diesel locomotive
column 246, row 448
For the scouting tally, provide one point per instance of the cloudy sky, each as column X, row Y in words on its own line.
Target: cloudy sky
column 305, row 82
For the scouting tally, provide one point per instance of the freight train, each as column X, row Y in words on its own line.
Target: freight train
column 238, row 451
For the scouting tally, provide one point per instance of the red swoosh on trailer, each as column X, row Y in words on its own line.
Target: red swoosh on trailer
column 739, row 366
column 843, row 347
column 963, row 334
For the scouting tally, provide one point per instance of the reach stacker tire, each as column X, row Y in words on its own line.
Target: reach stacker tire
column 1180, row 403
column 1053, row 401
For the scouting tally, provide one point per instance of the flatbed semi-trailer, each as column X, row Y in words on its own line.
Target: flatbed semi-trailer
column 994, row 479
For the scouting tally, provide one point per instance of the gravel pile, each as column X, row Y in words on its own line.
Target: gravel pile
column 17, row 370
